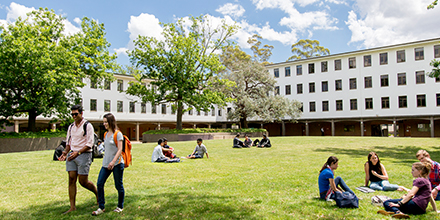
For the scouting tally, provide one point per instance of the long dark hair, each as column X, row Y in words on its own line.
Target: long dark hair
column 111, row 121
column 330, row 160
column 370, row 164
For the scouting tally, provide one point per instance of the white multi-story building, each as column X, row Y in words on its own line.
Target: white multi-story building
column 370, row 90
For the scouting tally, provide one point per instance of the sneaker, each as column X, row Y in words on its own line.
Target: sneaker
column 117, row 209
column 400, row 215
column 383, row 212
column 97, row 212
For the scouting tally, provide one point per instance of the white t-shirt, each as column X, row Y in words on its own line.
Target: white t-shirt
column 157, row 153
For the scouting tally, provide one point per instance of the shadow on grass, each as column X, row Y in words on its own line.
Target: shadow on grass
column 156, row 206
column 402, row 154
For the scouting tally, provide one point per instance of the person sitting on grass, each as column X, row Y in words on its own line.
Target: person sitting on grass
column 265, row 142
column 247, row 141
column 167, row 150
column 328, row 184
column 199, row 151
column 434, row 175
column 237, row 142
column 417, row 199
column 157, row 153
column 377, row 175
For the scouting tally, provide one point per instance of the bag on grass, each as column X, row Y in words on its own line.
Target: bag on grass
column 346, row 200
column 379, row 200
column 126, row 148
column 59, row 150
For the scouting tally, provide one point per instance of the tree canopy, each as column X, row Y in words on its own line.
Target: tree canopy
column 433, row 4
column 307, row 48
column 41, row 68
column 261, row 53
column 184, row 66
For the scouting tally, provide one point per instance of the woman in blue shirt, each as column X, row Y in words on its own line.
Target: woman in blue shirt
column 328, row 185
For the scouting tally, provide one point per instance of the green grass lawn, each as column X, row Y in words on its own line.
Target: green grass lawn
column 275, row 183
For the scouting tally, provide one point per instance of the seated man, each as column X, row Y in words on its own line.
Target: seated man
column 265, row 142
column 247, row 141
column 167, row 150
column 434, row 174
column 199, row 151
column 157, row 153
column 237, row 143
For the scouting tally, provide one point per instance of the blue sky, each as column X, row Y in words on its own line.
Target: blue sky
column 340, row 25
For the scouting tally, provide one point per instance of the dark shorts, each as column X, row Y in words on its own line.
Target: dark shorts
column 196, row 156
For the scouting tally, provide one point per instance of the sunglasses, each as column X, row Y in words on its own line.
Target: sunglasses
column 75, row 114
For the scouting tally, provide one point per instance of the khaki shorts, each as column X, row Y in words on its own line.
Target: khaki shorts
column 81, row 164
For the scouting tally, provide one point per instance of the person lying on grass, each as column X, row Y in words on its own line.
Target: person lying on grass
column 199, row 151
column 417, row 199
column 377, row 175
column 328, row 184
column 434, row 175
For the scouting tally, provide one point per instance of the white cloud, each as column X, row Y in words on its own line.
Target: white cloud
column 383, row 22
column 337, row 2
column 77, row 20
column 121, row 50
column 233, row 10
column 144, row 25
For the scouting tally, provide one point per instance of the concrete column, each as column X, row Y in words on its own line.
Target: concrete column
column 137, row 131
column 307, row 128
column 333, row 128
column 283, row 128
column 394, row 128
column 17, row 127
column 54, row 127
column 158, row 126
column 362, row 128
column 209, row 126
column 431, row 119
column 194, row 125
column 261, row 125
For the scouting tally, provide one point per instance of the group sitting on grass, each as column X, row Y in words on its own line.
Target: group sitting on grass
column 425, row 186
column 247, row 143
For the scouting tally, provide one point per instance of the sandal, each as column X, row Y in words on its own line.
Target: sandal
column 118, row 210
column 98, row 212
column 400, row 215
column 383, row 212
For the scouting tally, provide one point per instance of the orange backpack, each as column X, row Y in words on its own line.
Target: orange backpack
column 126, row 148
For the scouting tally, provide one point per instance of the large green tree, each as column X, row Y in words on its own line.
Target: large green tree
column 183, row 67
column 253, row 92
column 42, row 69
column 261, row 52
column 307, row 48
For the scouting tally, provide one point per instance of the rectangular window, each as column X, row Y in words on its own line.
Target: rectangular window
column 338, row 65
column 401, row 79
column 299, row 70
column 423, row 128
column 198, row 112
column 276, row 72
column 325, row 106
column 353, row 83
column 277, row 90
column 107, row 85
column 437, row 51
column 164, row 109
column 206, row 113
column 302, row 107
column 288, row 90
column 352, row 62
column 173, row 110
column 219, row 112
column 383, row 58
column 369, row 103
column 418, row 53
column 311, row 87
column 299, row 89
column 311, row 68
column 368, row 82
column 421, row 100
column 287, row 71
column 228, row 110
column 107, row 105
column 438, row 99
column 324, row 86
column 400, row 56
column 367, row 60
column 384, row 80
column 339, row 105
column 353, row 104
column 213, row 112
column 153, row 109
column 312, row 107
column 420, row 77
column 338, row 84
column 120, row 106
column 324, row 67
column 385, row 102
column 132, row 107
column 93, row 106
column 143, row 108
column 402, row 102
column 120, row 85
column 93, row 84
column 190, row 112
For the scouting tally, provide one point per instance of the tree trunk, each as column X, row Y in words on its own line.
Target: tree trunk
column 179, row 115
column 243, row 121
column 31, row 120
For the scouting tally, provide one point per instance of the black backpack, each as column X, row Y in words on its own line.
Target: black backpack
column 59, row 150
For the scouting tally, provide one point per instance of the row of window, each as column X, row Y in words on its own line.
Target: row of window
column 383, row 60
column 368, row 83
column 107, row 85
column 132, row 108
column 385, row 103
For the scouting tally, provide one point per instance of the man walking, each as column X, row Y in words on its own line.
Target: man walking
column 78, row 152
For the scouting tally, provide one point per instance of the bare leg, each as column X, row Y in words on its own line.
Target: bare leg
column 84, row 181
column 72, row 190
